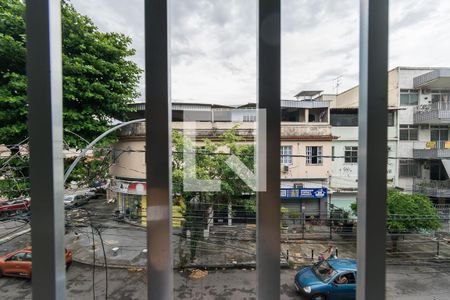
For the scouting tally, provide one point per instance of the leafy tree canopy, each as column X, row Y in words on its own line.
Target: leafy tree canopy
column 210, row 162
column 99, row 81
column 409, row 213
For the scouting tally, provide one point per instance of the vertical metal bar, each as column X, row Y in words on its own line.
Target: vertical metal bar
column 44, row 71
column 372, row 162
column 268, row 202
column 158, row 151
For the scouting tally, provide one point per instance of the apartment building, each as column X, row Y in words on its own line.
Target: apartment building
column 306, row 141
column 418, row 128
column 344, row 162
column 306, row 135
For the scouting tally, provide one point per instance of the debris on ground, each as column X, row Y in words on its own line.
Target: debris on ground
column 135, row 269
column 197, row 274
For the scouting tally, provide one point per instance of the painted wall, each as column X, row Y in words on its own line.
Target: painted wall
column 298, row 169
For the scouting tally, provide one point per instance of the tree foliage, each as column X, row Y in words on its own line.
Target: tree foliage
column 409, row 213
column 99, row 81
column 211, row 164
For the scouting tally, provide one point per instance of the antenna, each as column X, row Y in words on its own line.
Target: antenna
column 337, row 81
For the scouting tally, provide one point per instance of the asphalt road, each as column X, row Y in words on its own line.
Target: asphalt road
column 403, row 282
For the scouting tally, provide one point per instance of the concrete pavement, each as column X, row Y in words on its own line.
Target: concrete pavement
column 403, row 282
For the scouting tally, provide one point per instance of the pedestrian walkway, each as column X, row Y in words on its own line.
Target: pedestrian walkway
column 228, row 247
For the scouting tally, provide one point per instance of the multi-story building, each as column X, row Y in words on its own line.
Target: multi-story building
column 306, row 135
column 319, row 142
column 305, row 149
column 344, row 165
column 418, row 134
column 424, row 132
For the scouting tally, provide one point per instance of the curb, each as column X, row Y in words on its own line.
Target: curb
column 14, row 235
column 202, row 267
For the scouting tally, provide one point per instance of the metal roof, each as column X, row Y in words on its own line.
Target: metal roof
column 308, row 93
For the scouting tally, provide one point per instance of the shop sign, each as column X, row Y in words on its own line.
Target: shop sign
column 293, row 193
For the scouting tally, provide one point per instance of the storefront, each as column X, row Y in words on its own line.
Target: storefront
column 131, row 199
column 308, row 201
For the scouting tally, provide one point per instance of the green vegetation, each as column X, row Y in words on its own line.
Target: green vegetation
column 408, row 213
column 98, row 84
column 209, row 167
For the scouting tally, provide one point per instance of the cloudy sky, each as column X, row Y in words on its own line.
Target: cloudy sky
column 213, row 42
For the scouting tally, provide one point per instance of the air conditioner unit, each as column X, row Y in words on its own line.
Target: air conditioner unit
column 285, row 168
column 426, row 91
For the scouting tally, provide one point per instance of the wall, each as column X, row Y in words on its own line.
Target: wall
column 129, row 165
column 350, row 97
column 299, row 169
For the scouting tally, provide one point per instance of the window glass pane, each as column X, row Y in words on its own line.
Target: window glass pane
column 413, row 99
column 404, row 99
column 404, row 136
column 413, row 134
column 391, row 118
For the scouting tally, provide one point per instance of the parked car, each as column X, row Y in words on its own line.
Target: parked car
column 14, row 207
column 18, row 263
column 333, row 279
column 75, row 200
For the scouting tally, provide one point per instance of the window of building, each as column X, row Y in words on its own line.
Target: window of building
column 391, row 118
column 409, row 132
column 409, row 97
column 349, row 117
column 286, row 155
column 351, row 154
column 249, row 118
column 439, row 132
column 409, row 168
column 342, row 118
column 313, row 155
column 439, row 96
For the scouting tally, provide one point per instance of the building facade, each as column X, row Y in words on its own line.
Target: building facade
column 418, row 134
column 306, row 141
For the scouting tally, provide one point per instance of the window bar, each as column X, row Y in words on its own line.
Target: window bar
column 158, row 151
column 268, row 202
column 44, row 71
column 372, row 162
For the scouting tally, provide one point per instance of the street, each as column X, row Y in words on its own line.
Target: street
column 403, row 282
column 423, row 279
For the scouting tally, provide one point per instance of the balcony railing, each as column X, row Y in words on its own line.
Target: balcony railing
column 433, row 149
column 434, row 113
column 432, row 188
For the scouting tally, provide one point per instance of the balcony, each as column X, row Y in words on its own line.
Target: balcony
column 433, row 150
column 305, row 103
column 434, row 113
column 432, row 188
column 439, row 78
column 319, row 131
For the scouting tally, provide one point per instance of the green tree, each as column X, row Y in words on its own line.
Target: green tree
column 408, row 213
column 210, row 164
column 14, row 181
column 99, row 81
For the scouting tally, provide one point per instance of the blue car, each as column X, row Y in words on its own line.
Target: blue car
column 333, row 279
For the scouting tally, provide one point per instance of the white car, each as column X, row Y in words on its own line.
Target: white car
column 74, row 200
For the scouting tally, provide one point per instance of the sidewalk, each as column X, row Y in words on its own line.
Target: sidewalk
column 225, row 247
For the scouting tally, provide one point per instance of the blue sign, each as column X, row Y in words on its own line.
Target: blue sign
column 298, row 193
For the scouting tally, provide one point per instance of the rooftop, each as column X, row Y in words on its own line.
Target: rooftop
column 308, row 94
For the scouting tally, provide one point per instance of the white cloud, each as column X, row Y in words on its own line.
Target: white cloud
column 214, row 42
